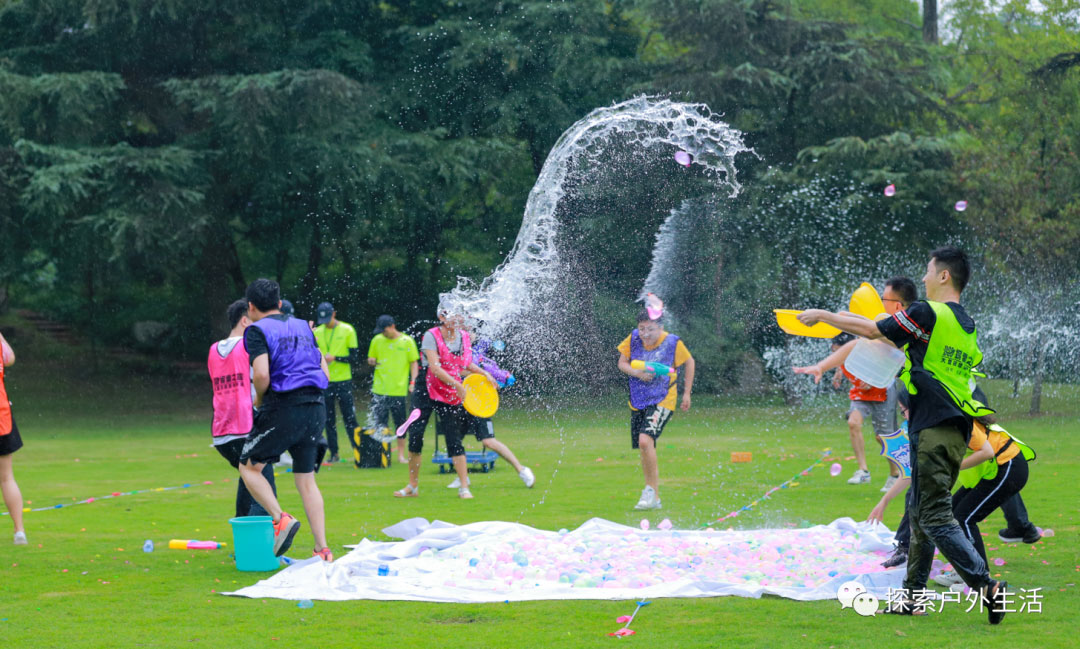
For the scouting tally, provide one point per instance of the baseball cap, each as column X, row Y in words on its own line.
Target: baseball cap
column 287, row 307
column 382, row 322
column 324, row 313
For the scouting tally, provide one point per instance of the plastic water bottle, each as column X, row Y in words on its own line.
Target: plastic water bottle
column 384, row 570
column 305, row 603
column 148, row 546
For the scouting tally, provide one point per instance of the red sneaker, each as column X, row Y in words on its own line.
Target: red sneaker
column 285, row 529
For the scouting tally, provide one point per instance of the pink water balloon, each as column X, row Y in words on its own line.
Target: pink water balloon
column 961, row 206
column 644, row 524
column 683, row 158
column 890, row 190
column 664, row 524
column 835, row 469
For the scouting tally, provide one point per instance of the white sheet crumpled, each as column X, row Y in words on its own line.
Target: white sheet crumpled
column 498, row 561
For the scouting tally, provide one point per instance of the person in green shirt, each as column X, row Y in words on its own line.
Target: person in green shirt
column 339, row 346
column 394, row 357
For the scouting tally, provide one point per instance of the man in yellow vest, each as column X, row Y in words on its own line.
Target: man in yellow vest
column 340, row 347
column 939, row 339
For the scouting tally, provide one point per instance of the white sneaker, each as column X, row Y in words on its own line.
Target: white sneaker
column 20, row 538
column 463, row 492
column 527, row 476
column 286, row 459
column 888, row 484
column 860, row 477
column 649, row 499
column 948, row 579
column 456, row 484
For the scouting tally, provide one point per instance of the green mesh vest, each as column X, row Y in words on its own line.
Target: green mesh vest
column 988, row 470
column 951, row 356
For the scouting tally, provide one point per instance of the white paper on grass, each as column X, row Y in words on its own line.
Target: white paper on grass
column 424, row 578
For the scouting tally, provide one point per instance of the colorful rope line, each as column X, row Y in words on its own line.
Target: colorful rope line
column 115, row 494
column 768, row 494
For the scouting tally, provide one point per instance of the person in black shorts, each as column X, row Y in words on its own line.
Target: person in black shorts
column 484, row 432
column 289, row 375
column 10, row 441
column 653, row 397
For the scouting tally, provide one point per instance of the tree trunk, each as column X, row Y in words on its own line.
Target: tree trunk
column 1037, row 381
column 310, row 281
column 930, row 21
column 223, row 280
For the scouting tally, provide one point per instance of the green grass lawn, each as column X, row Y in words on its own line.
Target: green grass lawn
column 84, row 581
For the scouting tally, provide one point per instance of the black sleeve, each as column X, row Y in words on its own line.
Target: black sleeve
column 911, row 325
column 255, row 342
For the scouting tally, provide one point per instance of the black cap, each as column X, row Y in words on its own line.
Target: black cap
column 287, row 308
column 325, row 312
column 382, row 322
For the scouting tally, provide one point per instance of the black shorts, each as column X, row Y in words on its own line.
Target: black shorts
column 12, row 441
column 382, row 406
column 481, row 428
column 650, row 421
column 453, row 424
column 296, row 428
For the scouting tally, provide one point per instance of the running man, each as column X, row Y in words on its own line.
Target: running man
column 289, row 375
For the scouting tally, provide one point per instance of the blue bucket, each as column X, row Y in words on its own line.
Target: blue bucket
column 253, row 542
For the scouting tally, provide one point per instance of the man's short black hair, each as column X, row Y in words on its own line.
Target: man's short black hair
column 643, row 316
column 954, row 260
column 842, row 339
column 905, row 288
column 237, row 310
column 265, row 294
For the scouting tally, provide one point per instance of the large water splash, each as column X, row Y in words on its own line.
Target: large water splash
column 525, row 280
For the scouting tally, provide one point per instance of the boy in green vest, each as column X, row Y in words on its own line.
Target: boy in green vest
column 941, row 351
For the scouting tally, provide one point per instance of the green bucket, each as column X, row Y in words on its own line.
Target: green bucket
column 253, row 543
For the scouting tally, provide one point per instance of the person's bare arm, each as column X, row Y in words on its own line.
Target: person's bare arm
column 832, row 361
column 624, row 367
column 476, row 369
column 260, row 376
column 849, row 322
column 879, row 510
column 8, row 352
column 414, row 371
column 688, row 385
column 978, row 457
column 325, row 368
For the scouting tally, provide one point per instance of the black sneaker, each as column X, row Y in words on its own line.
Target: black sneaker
column 1008, row 536
column 898, row 557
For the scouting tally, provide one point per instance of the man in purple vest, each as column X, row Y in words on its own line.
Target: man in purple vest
column 653, row 396
column 289, row 375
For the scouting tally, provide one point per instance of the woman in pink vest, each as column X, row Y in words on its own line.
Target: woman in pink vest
column 10, row 441
column 446, row 352
column 230, row 374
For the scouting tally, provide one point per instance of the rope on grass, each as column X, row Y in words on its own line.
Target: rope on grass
column 790, row 482
column 118, row 494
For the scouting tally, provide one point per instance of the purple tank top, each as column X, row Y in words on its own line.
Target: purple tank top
column 642, row 394
column 295, row 359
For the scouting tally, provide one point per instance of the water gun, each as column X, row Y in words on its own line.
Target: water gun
column 658, row 369
column 502, row 378
column 189, row 544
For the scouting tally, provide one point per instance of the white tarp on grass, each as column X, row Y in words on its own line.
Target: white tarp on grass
column 497, row 562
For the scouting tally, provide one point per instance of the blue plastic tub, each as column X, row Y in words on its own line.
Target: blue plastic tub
column 253, row 542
